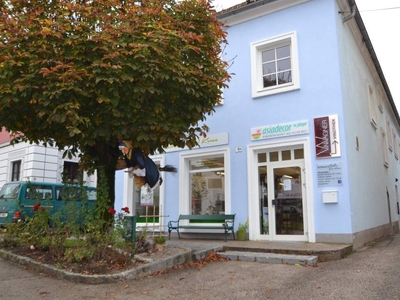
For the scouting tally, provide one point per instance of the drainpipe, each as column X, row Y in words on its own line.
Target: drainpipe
column 353, row 13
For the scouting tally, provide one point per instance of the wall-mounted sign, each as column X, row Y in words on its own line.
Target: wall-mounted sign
column 279, row 130
column 329, row 174
column 326, row 133
column 146, row 196
column 210, row 140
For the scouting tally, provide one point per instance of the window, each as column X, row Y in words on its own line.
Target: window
column 275, row 65
column 389, row 135
column 38, row 192
column 395, row 145
column 207, row 184
column 147, row 206
column 71, row 172
column 372, row 107
column 380, row 101
column 385, row 149
column 16, row 170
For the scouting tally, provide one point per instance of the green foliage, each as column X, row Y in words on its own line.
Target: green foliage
column 243, row 227
column 109, row 69
column 82, row 75
column 160, row 239
column 78, row 237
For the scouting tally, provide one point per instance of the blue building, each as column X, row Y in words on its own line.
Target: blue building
column 305, row 145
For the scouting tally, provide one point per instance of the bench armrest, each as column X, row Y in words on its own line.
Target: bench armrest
column 170, row 223
column 228, row 223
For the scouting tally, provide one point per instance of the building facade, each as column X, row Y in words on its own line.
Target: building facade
column 24, row 161
column 305, row 146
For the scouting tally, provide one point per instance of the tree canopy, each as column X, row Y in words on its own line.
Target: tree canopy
column 84, row 73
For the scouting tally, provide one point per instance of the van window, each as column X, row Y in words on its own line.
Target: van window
column 10, row 191
column 37, row 192
column 91, row 195
column 74, row 194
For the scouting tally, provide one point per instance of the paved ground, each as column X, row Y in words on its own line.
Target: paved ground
column 372, row 273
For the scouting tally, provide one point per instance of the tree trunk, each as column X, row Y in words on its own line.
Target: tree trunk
column 107, row 160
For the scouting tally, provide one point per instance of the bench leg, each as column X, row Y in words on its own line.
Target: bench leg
column 233, row 232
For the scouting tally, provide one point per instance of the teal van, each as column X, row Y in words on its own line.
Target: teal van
column 18, row 199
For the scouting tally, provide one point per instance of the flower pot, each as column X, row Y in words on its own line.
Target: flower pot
column 241, row 235
column 159, row 247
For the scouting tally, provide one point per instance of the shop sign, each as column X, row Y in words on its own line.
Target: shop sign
column 279, row 130
column 326, row 134
column 210, row 140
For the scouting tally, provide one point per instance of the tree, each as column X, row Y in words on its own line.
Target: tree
column 81, row 74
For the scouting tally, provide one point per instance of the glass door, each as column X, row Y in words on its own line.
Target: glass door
column 287, row 201
column 280, row 209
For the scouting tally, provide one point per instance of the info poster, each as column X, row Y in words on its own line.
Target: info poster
column 329, row 174
column 146, row 196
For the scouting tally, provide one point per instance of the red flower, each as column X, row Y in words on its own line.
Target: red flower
column 112, row 211
column 126, row 209
column 36, row 207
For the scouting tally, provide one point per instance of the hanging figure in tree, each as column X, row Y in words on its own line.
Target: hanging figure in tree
column 143, row 168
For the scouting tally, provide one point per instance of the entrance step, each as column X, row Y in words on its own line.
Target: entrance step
column 271, row 258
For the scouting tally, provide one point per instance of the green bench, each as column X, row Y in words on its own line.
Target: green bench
column 222, row 222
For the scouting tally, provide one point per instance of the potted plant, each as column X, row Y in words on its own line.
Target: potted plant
column 242, row 229
column 159, row 242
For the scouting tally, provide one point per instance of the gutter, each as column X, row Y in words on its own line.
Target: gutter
column 351, row 16
column 240, row 8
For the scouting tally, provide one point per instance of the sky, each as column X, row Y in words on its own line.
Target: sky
column 382, row 20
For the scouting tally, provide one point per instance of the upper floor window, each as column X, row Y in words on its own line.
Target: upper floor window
column 71, row 172
column 372, row 106
column 275, row 65
column 16, row 170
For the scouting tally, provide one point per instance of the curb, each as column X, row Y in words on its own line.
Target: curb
column 271, row 258
column 136, row 273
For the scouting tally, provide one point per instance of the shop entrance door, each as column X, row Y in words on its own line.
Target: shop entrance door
column 282, row 201
column 288, row 201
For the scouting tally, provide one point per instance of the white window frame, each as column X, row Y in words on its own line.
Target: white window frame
column 184, row 182
column 385, row 149
column 395, row 145
column 372, row 106
column 12, row 165
column 389, row 134
column 257, row 48
column 380, row 100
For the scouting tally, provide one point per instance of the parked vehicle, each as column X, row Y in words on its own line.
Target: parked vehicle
column 20, row 199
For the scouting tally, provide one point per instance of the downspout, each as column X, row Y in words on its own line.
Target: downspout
column 353, row 13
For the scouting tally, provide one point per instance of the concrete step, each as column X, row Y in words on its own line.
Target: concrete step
column 271, row 258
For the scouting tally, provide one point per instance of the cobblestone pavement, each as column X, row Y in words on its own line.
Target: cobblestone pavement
column 371, row 273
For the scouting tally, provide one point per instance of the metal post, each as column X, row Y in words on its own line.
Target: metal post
column 130, row 222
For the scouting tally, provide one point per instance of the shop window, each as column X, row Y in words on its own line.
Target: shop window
column 286, row 155
column 275, row 65
column 298, row 153
column 207, row 184
column 146, row 206
column 274, row 156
